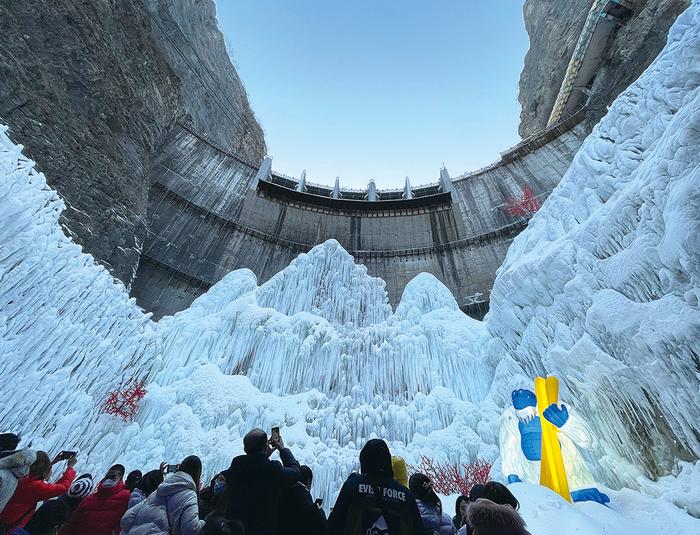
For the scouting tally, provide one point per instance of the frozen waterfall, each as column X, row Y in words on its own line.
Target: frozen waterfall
column 602, row 289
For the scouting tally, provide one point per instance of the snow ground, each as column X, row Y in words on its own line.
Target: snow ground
column 601, row 290
column 546, row 513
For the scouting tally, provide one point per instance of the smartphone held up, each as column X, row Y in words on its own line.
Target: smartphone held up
column 171, row 468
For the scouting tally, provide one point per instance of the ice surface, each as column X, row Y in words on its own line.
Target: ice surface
column 601, row 290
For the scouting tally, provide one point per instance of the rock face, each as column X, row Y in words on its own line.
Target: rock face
column 554, row 27
column 93, row 88
column 213, row 95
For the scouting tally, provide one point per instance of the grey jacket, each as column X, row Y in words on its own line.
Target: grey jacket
column 173, row 506
column 13, row 468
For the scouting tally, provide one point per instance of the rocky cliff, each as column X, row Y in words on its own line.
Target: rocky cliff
column 93, row 87
column 554, row 26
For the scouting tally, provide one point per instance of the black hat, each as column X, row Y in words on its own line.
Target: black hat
column 375, row 459
column 9, row 441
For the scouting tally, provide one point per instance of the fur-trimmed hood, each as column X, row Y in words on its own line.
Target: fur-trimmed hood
column 13, row 467
column 19, row 462
column 488, row 518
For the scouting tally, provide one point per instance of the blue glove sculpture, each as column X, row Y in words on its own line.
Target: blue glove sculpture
column 556, row 415
column 590, row 495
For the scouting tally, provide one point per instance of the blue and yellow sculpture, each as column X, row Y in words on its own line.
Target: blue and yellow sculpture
column 539, row 443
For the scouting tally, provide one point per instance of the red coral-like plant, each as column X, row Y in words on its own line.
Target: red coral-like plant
column 450, row 479
column 524, row 205
column 124, row 402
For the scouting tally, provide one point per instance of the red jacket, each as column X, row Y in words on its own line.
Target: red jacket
column 99, row 513
column 30, row 491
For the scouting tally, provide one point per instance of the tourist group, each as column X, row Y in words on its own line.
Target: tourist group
column 255, row 495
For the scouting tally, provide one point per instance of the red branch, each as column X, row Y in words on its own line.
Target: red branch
column 449, row 479
column 523, row 205
column 123, row 403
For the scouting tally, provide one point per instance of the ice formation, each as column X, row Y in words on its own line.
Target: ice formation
column 602, row 290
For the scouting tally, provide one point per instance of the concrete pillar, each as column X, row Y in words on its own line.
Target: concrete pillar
column 301, row 186
column 445, row 181
column 336, row 188
column 371, row 191
column 407, row 191
column 263, row 172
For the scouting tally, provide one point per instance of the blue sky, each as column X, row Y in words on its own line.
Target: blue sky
column 377, row 88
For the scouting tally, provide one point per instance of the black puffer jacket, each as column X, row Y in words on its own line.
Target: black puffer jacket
column 298, row 514
column 253, row 487
column 380, row 504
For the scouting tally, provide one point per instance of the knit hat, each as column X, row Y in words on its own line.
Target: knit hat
column 398, row 466
column 375, row 459
column 81, row 487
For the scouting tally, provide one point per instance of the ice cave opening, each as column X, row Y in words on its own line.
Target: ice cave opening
column 601, row 290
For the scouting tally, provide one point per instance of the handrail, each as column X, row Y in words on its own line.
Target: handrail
column 472, row 240
column 530, row 143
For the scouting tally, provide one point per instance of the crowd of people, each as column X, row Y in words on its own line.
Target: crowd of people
column 255, row 495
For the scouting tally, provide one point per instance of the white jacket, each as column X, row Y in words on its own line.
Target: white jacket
column 176, row 497
column 13, row 468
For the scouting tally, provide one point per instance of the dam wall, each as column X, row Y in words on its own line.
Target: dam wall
column 212, row 211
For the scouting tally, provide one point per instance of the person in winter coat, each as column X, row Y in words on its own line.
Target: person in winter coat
column 146, row 486
column 493, row 491
column 13, row 467
column 298, row 513
column 461, row 506
column 398, row 466
column 372, row 501
column 33, row 489
column 434, row 520
column 53, row 513
column 254, row 483
column 172, row 508
column 209, row 496
column 47, row 519
column 488, row 518
column 100, row 512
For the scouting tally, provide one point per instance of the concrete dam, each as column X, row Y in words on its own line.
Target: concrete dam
column 212, row 211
